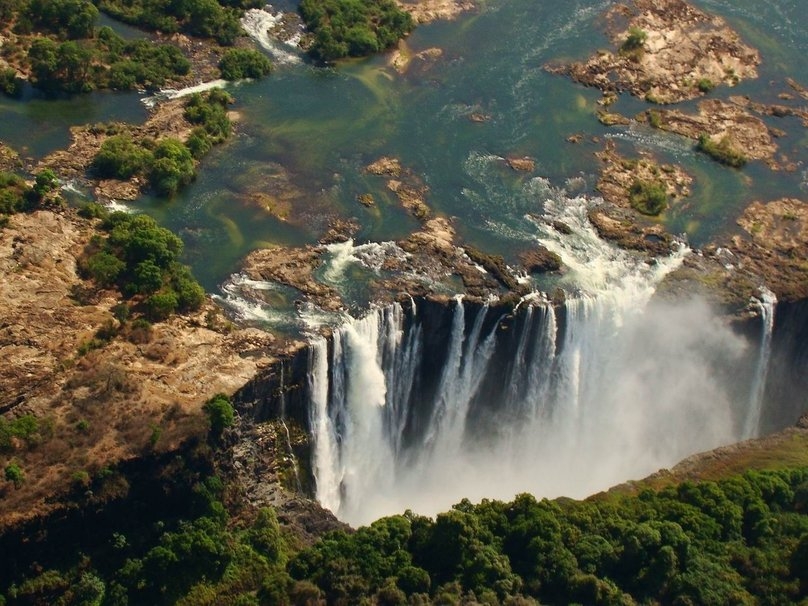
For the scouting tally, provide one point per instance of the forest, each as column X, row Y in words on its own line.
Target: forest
column 740, row 540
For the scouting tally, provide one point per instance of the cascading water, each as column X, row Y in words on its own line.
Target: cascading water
column 257, row 23
column 766, row 304
column 418, row 410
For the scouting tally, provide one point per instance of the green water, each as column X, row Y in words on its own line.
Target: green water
column 313, row 130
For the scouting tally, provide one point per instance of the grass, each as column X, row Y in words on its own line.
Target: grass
column 784, row 450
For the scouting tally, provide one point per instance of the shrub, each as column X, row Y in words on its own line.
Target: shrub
column 721, row 151
column 648, row 198
column 220, row 414
column 105, row 268
column 13, row 192
column 10, row 84
column 14, row 474
column 705, row 85
column 161, row 305
column 240, row 63
column 141, row 258
column 172, row 168
column 635, row 39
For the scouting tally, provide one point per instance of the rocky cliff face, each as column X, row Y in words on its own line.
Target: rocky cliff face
column 787, row 381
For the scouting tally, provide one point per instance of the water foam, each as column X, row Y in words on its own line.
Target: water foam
column 168, row 94
column 257, row 23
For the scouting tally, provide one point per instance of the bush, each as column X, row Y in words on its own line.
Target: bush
column 648, row 198
column 240, row 63
column 705, row 85
column 10, row 84
column 635, row 39
column 14, row 474
column 220, row 414
column 13, row 193
column 161, row 305
column 142, row 258
column 721, row 151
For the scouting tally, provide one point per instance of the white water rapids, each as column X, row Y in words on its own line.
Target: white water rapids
column 559, row 400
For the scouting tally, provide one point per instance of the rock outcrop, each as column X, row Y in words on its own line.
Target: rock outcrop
column 665, row 51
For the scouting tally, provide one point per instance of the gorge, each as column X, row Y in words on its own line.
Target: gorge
column 418, row 404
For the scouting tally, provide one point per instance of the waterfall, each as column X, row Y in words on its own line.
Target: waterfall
column 417, row 410
column 257, row 23
column 766, row 305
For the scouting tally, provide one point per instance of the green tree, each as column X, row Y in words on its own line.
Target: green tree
column 14, row 474
column 240, row 63
column 172, row 168
column 121, row 158
column 220, row 414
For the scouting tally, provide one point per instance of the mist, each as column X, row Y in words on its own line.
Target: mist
column 618, row 395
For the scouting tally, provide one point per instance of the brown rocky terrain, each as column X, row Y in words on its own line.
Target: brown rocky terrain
column 619, row 173
column 771, row 251
column 424, row 11
column 677, row 52
column 615, row 219
column 99, row 403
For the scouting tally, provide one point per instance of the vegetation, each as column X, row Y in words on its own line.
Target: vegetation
column 168, row 165
column 66, row 52
column 355, row 28
column 705, row 85
column 142, row 259
column 240, row 63
column 721, row 151
column 648, row 198
column 17, row 196
column 205, row 18
column 220, row 414
column 740, row 540
column 14, row 474
column 632, row 46
column 25, row 430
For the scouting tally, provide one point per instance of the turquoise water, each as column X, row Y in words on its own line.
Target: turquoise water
column 313, row 130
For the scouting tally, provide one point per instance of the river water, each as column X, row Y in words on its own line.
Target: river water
column 308, row 132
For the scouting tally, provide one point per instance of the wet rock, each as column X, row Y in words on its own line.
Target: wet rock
column 523, row 164
column 293, row 267
column 618, row 174
column 425, row 11
column 539, row 260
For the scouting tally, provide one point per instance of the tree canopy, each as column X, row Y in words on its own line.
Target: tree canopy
column 741, row 540
column 355, row 28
